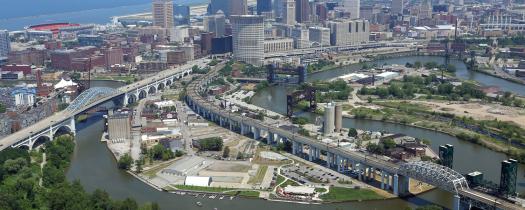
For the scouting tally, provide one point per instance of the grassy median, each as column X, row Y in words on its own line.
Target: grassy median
column 340, row 194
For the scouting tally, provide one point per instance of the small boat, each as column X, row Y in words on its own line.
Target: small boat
column 222, row 197
column 231, row 197
column 198, row 203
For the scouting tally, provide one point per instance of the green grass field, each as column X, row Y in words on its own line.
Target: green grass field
column 289, row 182
column 259, row 176
column 251, row 194
column 339, row 194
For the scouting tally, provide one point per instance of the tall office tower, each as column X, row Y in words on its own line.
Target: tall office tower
column 278, row 7
column 321, row 11
column 238, row 7
column 319, row 36
column 353, row 7
column 397, row 7
column 229, row 7
column 348, row 32
column 509, row 171
column 248, row 38
column 300, row 37
column 302, row 11
column 264, row 6
column 5, row 43
column 181, row 14
column 288, row 16
column 215, row 23
column 163, row 13
column 425, row 10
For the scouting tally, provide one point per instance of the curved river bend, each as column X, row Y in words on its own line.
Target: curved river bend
column 94, row 165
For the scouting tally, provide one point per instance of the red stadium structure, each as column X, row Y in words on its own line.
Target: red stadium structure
column 53, row 27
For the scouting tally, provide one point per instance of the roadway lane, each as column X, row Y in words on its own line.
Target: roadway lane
column 42, row 125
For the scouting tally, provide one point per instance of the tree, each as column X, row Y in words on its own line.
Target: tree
column 352, row 132
column 389, row 143
column 211, row 144
column 240, row 155
column 2, row 108
column 417, row 64
column 138, row 164
column 226, row 152
column 13, row 166
column 125, row 162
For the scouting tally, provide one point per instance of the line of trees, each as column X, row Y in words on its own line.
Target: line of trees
column 20, row 188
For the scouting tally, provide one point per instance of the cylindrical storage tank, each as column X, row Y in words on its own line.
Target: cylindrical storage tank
column 338, row 117
column 329, row 115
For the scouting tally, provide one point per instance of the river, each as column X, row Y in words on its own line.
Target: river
column 95, row 167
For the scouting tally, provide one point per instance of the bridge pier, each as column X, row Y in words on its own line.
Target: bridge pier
column 256, row 133
column 126, row 98
column 401, row 185
column 338, row 163
column 382, row 180
column 457, row 202
column 328, row 159
column 243, row 129
column 270, row 138
column 310, row 154
column 71, row 126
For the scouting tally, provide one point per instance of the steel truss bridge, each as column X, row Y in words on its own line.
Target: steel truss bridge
column 44, row 130
column 394, row 176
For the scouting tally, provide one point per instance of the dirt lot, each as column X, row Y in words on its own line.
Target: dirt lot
column 480, row 111
column 229, row 167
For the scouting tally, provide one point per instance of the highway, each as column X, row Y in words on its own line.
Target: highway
column 42, row 125
column 393, row 168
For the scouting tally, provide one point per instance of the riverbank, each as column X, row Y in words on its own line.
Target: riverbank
column 517, row 81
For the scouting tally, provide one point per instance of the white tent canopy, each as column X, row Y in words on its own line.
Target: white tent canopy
column 202, row 181
column 64, row 83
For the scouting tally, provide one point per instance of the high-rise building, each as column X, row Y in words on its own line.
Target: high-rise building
column 5, row 43
column 353, row 7
column 238, row 7
column 278, row 7
column 321, row 11
column 319, row 36
column 349, row 32
column 288, row 16
column 215, row 23
column 181, row 14
column 229, row 7
column 248, row 38
column 264, row 6
column 163, row 13
column 425, row 10
column 509, row 172
column 397, row 7
column 119, row 125
column 301, row 37
column 302, row 11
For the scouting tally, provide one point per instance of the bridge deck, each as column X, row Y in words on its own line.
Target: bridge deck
column 193, row 93
column 44, row 124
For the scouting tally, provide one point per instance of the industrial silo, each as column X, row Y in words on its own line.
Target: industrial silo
column 338, row 117
column 329, row 115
